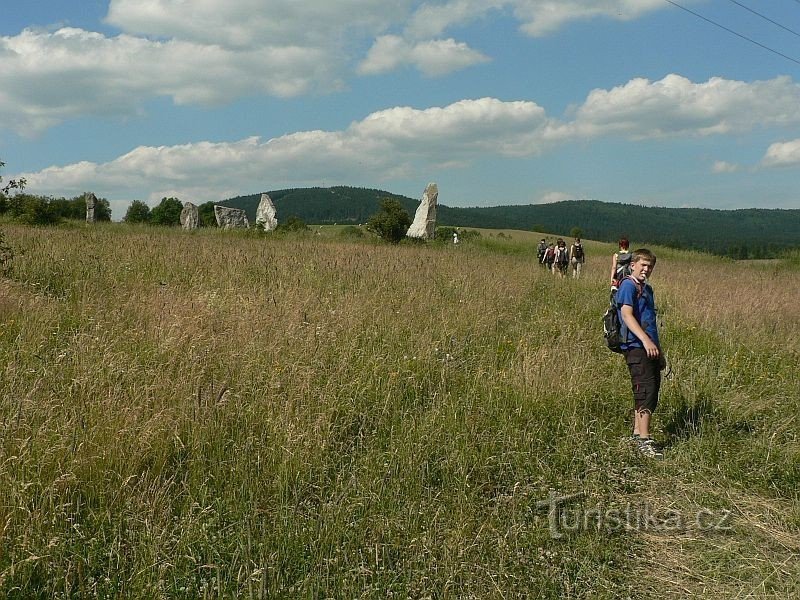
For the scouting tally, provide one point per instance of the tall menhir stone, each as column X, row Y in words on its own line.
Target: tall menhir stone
column 265, row 214
column 424, row 225
column 91, row 201
column 231, row 218
column 190, row 217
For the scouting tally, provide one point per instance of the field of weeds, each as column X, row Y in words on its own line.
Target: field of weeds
column 220, row 415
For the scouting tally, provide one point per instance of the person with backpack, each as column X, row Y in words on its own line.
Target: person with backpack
column 640, row 345
column 561, row 260
column 620, row 263
column 549, row 256
column 541, row 248
column 576, row 258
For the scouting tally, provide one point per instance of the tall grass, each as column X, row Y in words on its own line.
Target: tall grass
column 222, row 415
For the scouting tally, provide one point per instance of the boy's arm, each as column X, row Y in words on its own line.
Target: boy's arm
column 636, row 329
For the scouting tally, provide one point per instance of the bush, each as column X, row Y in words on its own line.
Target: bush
column 293, row 223
column 391, row 222
column 351, row 231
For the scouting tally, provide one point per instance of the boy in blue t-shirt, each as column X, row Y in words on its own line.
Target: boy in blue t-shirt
column 643, row 355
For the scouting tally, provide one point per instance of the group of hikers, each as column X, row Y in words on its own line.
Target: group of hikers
column 632, row 311
column 556, row 258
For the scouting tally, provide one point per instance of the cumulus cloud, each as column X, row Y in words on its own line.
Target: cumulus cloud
column 48, row 77
column 248, row 23
column 432, row 58
column 536, row 17
column 675, row 106
column 782, row 154
column 386, row 144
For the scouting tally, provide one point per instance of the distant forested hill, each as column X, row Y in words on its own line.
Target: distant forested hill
column 746, row 233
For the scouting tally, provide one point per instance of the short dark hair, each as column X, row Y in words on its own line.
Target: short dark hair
column 624, row 243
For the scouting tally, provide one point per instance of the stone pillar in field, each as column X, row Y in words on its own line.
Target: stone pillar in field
column 424, row 225
column 231, row 218
column 190, row 217
column 91, row 201
column 265, row 214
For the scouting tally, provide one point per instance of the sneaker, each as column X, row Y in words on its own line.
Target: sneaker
column 648, row 447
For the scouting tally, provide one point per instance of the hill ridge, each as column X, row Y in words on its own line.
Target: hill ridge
column 738, row 233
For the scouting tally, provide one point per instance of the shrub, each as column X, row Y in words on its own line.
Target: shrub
column 391, row 222
column 351, row 231
column 293, row 223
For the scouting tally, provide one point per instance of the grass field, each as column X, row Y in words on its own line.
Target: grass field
column 225, row 415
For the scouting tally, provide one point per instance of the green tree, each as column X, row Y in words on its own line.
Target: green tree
column 391, row 222
column 576, row 232
column 138, row 212
column 206, row 216
column 168, row 212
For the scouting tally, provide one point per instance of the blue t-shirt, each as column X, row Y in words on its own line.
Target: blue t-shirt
column 644, row 310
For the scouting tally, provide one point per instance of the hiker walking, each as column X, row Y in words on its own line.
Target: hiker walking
column 541, row 248
column 640, row 345
column 549, row 256
column 561, row 261
column 620, row 263
column 455, row 236
column 576, row 258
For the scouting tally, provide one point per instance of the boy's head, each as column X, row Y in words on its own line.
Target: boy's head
column 643, row 261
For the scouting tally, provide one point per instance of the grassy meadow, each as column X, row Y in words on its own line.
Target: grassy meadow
column 228, row 415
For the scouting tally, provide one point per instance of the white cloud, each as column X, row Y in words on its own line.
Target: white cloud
column 432, row 58
column 722, row 166
column 541, row 17
column 675, row 106
column 782, row 154
column 536, row 17
column 47, row 77
column 254, row 23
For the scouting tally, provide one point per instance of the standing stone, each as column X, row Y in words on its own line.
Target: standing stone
column 190, row 217
column 91, row 201
column 265, row 214
column 424, row 225
column 231, row 218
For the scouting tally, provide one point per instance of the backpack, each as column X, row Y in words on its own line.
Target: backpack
column 577, row 251
column 562, row 256
column 615, row 331
column 623, row 265
column 541, row 249
column 548, row 255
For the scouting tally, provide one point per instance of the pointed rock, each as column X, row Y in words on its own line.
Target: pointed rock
column 265, row 214
column 190, row 217
column 424, row 225
column 91, row 201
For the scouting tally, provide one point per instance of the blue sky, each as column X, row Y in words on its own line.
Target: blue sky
column 497, row 101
